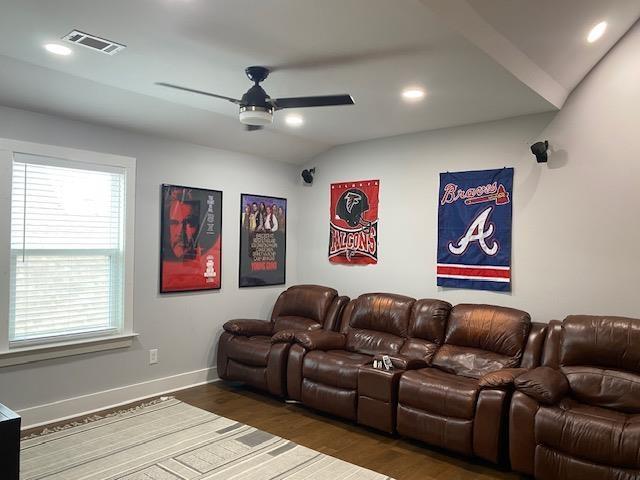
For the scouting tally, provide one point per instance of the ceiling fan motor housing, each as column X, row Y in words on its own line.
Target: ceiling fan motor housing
column 254, row 108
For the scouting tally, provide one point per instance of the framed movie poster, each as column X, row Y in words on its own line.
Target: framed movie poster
column 191, row 239
column 263, row 240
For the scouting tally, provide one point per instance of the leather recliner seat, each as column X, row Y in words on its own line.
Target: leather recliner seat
column 323, row 367
column 378, row 388
column 246, row 350
column 578, row 416
column 460, row 402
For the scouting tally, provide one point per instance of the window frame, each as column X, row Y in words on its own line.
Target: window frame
column 16, row 352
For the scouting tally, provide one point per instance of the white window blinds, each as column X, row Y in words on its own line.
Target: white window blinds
column 67, row 258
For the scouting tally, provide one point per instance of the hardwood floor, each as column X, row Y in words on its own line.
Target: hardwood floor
column 399, row 458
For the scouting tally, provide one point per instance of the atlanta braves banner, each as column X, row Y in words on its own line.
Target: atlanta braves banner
column 353, row 237
column 474, row 229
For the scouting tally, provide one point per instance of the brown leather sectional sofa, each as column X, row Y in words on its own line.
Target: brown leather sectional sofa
column 245, row 349
column 455, row 373
column 323, row 370
column 578, row 415
column 460, row 401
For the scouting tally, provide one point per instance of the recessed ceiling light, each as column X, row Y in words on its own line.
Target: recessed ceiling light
column 413, row 93
column 596, row 32
column 294, row 120
column 57, row 49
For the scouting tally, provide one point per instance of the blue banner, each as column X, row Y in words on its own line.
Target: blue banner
column 474, row 229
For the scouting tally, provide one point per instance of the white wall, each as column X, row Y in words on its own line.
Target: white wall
column 184, row 327
column 576, row 232
column 575, row 239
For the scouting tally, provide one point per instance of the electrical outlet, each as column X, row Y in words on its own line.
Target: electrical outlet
column 153, row 356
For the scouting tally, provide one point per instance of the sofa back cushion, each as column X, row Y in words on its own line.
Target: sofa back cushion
column 426, row 328
column 600, row 357
column 609, row 342
column 532, row 354
column 551, row 348
column 377, row 323
column 307, row 301
column 482, row 338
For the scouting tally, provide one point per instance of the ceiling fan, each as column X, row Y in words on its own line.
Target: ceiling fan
column 256, row 107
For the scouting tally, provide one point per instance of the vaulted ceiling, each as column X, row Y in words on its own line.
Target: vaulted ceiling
column 478, row 60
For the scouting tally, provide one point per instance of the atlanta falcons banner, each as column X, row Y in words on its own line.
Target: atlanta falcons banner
column 353, row 237
column 474, row 229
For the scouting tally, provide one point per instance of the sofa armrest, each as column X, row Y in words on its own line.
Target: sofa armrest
column 501, row 378
column 544, row 384
column 284, row 336
column 321, row 340
column 404, row 362
column 248, row 328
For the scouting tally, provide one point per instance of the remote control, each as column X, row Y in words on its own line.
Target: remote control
column 387, row 362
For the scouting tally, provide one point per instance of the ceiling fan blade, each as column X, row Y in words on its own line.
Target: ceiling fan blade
column 253, row 128
column 321, row 101
column 186, row 89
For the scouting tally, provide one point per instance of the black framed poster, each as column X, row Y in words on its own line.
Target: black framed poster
column 263, row 240
column 190, row 239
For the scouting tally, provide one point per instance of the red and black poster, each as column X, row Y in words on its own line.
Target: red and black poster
column 191, row 239
column 263, row 240
column 353, row 227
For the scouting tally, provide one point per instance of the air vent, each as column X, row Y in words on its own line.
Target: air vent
column 94, row 43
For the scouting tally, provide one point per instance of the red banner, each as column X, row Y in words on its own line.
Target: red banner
column 353, row 227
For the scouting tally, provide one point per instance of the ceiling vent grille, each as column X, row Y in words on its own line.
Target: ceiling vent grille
column 94, row 43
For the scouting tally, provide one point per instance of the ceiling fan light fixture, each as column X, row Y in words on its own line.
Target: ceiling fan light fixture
column 252, row 115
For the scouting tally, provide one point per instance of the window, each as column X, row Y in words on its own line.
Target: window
column 70, row 248
column 66, row 249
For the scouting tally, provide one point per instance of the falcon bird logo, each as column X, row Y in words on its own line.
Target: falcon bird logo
column 351, row 199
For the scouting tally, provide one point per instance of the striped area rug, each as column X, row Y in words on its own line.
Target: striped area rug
column 170, row 440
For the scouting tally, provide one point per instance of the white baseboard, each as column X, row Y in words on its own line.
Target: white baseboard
column 107, row 399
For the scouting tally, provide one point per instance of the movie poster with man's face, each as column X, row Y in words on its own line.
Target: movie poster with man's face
column 263, row 240
column 191, row 239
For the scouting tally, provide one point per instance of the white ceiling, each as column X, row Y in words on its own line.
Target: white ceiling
column 552, row 32
column 368, row 48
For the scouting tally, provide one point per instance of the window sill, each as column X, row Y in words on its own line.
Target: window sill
column 21, row 355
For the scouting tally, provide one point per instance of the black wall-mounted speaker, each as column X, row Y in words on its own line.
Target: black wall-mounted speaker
column 539, row 149
column 307, row 175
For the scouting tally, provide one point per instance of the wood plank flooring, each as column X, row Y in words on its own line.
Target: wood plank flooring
column 399, row 458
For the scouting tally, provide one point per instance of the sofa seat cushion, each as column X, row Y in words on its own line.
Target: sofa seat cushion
column 338, row 368
column 439, row 393
column 471, row 362
column 591, row 433
column 252, row 351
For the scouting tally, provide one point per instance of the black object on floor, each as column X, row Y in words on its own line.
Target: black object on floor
column 9, row 443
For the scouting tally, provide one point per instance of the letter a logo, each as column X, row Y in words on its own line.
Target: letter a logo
column 477, row 231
